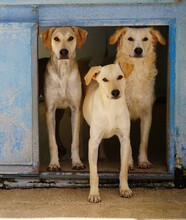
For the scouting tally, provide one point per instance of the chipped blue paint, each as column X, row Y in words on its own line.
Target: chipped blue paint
column 2, row 140
column 177, row 131
column 171, row 96
column 89, row 15
column 60, row 179
column 16, row 96
column 18, row 13
column 180, row 97
column 54, row 2
column 18, row 144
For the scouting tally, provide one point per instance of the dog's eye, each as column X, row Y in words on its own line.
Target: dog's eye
column 56, row 38
column 145, row 39
column 119, row 77
column 70, row 38
column 105, row 80
column 130, row 39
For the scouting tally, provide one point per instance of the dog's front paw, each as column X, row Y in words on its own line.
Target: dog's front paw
column 145, row 165
column 94, row 198
column 78, row 166
column 126, row 193
column 54, row 168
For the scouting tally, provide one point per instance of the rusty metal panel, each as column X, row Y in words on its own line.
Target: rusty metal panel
column 61, row 180
column 17, row 153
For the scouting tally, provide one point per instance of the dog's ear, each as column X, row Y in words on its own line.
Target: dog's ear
column 46, row 37
column 157, row 36
column 117, row 34
column 92, row 73
column 81, row 36
column 126, row 68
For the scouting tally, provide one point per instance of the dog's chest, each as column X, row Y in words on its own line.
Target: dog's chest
column 112, row 122
column 66, row 91
column 111, row 129
column 64, row 88
column 140, row 91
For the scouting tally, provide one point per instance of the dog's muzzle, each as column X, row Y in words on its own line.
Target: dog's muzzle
column 138, row 52
column 115, row 94
column 64, row 54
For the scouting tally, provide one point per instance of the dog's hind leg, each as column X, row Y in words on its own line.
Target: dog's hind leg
column 54, row 161
column 61, row 148
column 131, row 166
column 75, row 122
column 145, row 125
column 102, row 155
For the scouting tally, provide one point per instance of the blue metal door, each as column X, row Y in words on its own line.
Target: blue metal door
column 18, row 75
column 18, row 102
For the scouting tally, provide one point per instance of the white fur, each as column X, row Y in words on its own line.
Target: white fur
column 140, row 94
column 107, row 116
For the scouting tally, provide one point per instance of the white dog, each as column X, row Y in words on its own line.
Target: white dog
column 106, row 112
column 62, row 87
column 137, row 46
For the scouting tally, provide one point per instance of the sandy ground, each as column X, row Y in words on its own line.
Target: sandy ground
column 58, row 203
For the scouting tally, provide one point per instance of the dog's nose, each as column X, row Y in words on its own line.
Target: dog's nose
column 138, row 50
column 115, row 93
column 64, row 52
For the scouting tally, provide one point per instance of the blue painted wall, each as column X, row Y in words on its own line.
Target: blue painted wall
column 16, row 122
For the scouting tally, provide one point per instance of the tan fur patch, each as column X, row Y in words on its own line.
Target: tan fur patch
column 157, row 36
column 116, row 36
column 46, row 37
column 127, row 68
column 81, row 36
column 92, row 74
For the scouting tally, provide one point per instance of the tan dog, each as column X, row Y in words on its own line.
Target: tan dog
column 137, row 46
column 62, row 87
column 106, row 112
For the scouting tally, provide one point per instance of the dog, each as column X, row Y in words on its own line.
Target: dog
column 137, row 46
column 42, row 63
column 62, row 87
column 105, row 110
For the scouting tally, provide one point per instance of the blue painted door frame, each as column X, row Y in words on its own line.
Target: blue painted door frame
column 18, row 73
column 110, row 13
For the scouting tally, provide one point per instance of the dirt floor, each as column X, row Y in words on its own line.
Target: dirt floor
column 63, row 203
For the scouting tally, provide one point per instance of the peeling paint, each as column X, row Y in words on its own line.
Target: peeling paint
column 16, row 141
column 16, row 116
column 35, row 182
column 85, row 2
column 177, row 131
